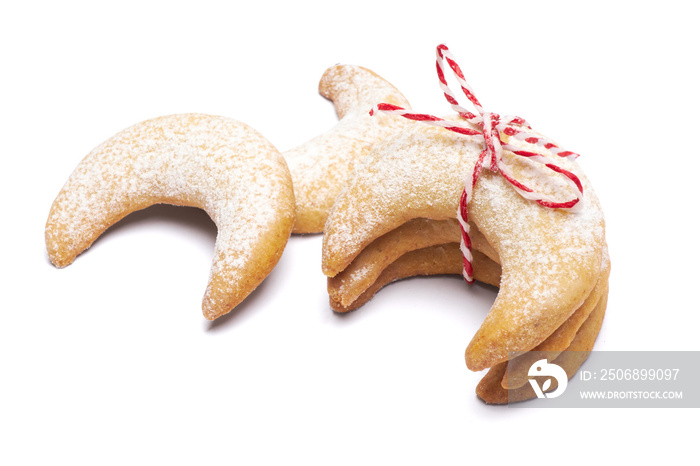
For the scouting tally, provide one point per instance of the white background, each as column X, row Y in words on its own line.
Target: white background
column 109, row 361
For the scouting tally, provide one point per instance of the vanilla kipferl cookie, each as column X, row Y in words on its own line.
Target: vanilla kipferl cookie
column 561, row 338
column 560, row 346
column 320, row 166
column 364, row 270
column 217, row 164
column 446, row 259
column 490, row 387
column 550, row 258
column 440, row 259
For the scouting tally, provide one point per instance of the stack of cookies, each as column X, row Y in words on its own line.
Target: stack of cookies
column 384, row 191
column 395, row 218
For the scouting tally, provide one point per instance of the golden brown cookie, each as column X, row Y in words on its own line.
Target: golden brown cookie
column 561, row 338
column 218, row 164
column 490, row 389
column 447, row 259
column 320, row 166
column 418, row 233
column 550, row 257
column 441, row 259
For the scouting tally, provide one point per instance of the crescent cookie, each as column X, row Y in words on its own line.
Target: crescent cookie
column 415, row 248
column 550, row 259
column 217, row 164
column 516, row 375
column 447, row 259
column 364, row 270
column 490, row 388
column 440, row 259
column 320, row 166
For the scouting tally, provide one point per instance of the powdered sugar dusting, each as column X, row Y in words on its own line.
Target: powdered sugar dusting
column 408, row 175
column 320, row 166
column 215, row 163
column 420, row 173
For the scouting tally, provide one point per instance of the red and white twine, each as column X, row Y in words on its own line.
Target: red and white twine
column 492, row 127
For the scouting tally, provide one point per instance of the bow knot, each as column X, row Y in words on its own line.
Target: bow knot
column 492, row 138
column 492, row 125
